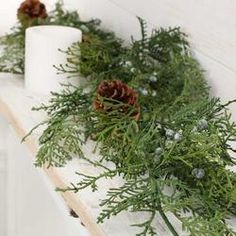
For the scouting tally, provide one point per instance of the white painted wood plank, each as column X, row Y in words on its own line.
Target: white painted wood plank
column 221, row 79
column 210, row 23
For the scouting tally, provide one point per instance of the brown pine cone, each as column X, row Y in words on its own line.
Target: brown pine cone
column 30, row 11
column 118, row 91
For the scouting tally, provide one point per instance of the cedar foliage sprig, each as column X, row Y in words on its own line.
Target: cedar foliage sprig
column 174, row 159
column 12, row 52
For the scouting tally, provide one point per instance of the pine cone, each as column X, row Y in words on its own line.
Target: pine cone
column 30, row 11
column 118, row 91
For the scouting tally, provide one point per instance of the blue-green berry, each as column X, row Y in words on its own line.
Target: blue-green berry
column 198, row 173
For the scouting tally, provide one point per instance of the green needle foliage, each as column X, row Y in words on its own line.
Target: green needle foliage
column 174, row 159
column 12, row 52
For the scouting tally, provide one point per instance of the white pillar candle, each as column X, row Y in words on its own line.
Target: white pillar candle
column 41, row 53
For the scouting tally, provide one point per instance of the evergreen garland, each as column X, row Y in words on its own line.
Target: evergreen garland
column 174, row 159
